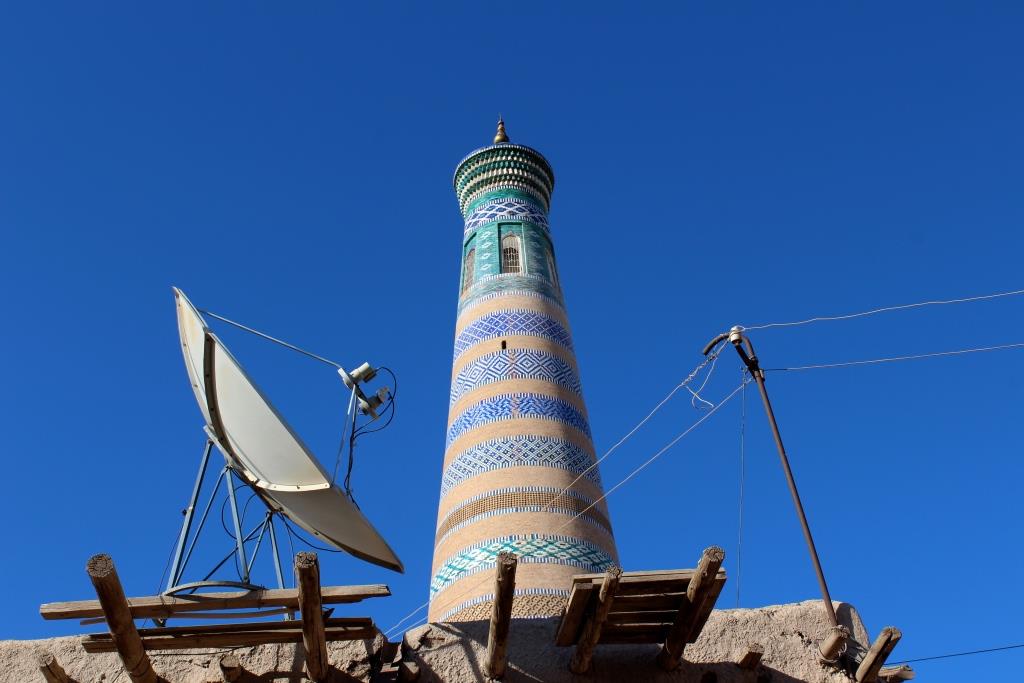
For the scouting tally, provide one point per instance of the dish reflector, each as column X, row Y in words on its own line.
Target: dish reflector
column 265, row 450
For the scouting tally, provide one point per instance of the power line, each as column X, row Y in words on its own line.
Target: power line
column 689, row 378
column 610, row 491
column 961, row 654
column 885, row 309
column 893, row 359
column 743, row 472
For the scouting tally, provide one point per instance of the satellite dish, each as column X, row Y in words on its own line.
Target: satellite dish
column 265, row 451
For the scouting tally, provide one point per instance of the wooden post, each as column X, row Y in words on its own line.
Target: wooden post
column 501, row 614
column 580, row 662
column 696, row 592
column 880, row 650
column 894, row 674
column 51, row 669
column 119, row 619
column 230, row 668
column 307, row 578
column 831, row 645
column 749, row 657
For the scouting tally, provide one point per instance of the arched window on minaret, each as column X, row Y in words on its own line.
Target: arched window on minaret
column 553, row 274
column 510, row 254
column 468, row 269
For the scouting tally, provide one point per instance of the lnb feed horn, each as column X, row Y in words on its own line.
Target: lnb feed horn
column 364, row 373
column 370, row 404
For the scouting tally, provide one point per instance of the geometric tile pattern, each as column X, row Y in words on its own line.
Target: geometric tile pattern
column 506, row 208
column 511, row 323
column 519, row 451
column 510, row 364
column 493, row 290
column 532, row 548
column 547, row 499
column 516, row 406
column 529, row 603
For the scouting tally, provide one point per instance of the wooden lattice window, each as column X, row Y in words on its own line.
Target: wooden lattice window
column 510, row 254
column 468, row 269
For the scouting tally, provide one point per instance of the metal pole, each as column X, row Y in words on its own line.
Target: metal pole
column 239, row 543
column 202, row 523
column 277, row 559
column 186, row 525
column 738, row 340
column 256, row 550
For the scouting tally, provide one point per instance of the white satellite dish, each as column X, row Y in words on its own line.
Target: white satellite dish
column 265, row 451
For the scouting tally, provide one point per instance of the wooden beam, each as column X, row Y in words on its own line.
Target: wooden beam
column 230, row 668
column 307, row 578
column 165, row 606
column 700, row 587
column 51, row 669
column 361, row 623
column 880, row 650
column 233, row 639
column 831, row 646
column 647, row 582
column 501, row 614
column 575, row 612
column 893, row 674
column 750, row 656
column 580, row 662
column 119, row 619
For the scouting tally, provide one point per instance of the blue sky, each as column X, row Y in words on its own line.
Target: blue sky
column 716, row 164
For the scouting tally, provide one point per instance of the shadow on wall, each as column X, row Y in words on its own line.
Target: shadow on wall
column 455, row 652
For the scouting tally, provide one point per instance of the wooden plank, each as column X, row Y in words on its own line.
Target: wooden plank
column 647, row 583
column 164, row 606
column 591, row 634
column 307, row 579
column 501, row 614
column 750, row 656
column 51, row 669
column 644, row 574
column 114, row 605
column 575, row 613
column 236, row 639
column 701, row 584
column 880, row 650
column 659, row 601
column 197, row 630
column 652, row 617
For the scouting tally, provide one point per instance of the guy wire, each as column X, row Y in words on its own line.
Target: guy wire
column 885, row 309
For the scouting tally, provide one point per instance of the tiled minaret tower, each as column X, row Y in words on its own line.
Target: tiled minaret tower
column 517, row 426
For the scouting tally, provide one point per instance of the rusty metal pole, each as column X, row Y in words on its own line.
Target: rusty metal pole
column 750, row 360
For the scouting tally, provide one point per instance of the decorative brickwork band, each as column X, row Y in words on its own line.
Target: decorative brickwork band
column 523, row 499
column 511, row 323
column 530, row 549
column 514, row 364
column 519, row 451
column 529, row 603
column 506, row 208
column 516, row 406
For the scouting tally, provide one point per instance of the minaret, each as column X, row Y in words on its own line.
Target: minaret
column 517, row 432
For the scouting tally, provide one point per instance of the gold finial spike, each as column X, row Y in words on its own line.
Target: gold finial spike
column 500, row 136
